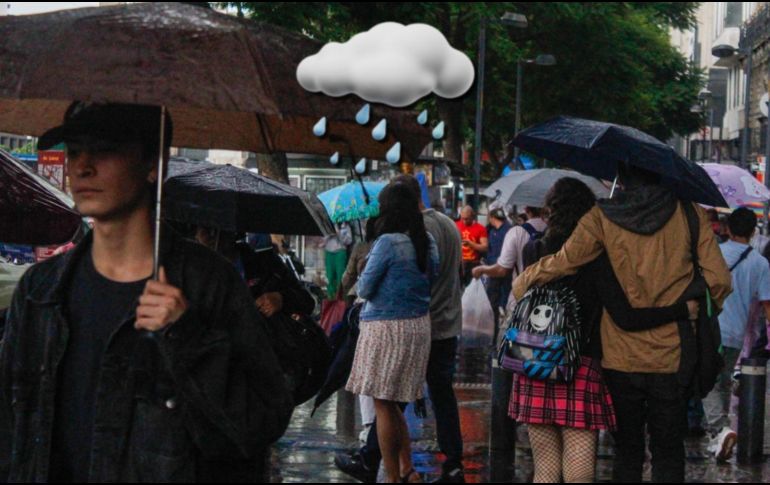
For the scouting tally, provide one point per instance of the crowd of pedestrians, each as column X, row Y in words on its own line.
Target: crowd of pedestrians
column 109, row 375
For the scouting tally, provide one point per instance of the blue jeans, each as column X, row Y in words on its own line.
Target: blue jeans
column 441, row 371
column 717, row 404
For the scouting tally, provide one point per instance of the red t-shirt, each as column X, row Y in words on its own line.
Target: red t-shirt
column 473, row 233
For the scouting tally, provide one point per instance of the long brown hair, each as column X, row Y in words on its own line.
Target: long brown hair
column 400, row 213
column 568, row 201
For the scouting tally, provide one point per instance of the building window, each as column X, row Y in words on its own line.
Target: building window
column 696, row 47
column 194, row 153
column 737, row 85
column 733, row 14
column 318, row 184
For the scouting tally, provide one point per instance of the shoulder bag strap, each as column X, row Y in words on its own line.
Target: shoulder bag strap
column 743, row 257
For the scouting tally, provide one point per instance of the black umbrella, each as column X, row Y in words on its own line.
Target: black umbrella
column 595, row 148
column 344, row 340
column 237, row 200
column 32, row 211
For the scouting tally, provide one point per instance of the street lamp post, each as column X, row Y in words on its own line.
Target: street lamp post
column 479, row 112
column 746, row 109
column 511, row 19
column 541, row 60
column 766, row 229
column 711, row 132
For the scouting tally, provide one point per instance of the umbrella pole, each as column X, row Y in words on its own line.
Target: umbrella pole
column 159, row 196
column 614, row 186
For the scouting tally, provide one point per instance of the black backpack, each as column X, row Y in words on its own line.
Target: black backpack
column 303, row 352
column 701, row 360
column 544, row 333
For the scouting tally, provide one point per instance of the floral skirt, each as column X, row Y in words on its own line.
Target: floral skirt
column 391, row 359
column 584, row 403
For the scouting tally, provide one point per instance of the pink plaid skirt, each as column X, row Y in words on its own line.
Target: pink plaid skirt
column 584, row 403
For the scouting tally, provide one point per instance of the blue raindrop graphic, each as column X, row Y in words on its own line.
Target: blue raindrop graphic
column 362, row 117
column 423, row 117
column 335, row 159
column 361, row 166
column 380, row 131
column 438, row 131
column 320, row 128
column 394, row 154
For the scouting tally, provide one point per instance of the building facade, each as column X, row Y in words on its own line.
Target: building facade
column 755, row 38
column 722, row 101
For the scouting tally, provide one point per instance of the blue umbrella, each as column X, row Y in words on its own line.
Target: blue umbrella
column 349, row 202
column 595, row 148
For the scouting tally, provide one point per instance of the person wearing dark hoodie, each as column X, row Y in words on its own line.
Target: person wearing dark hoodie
column 645, row 234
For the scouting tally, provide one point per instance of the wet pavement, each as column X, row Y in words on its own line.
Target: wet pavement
column 306, row 452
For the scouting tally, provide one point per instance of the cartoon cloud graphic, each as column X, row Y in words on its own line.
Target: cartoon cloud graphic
column 391, row 64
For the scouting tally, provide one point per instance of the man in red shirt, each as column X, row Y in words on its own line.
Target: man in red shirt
column 475, row 242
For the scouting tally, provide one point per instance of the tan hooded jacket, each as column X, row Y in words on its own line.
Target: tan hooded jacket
column 648, row 243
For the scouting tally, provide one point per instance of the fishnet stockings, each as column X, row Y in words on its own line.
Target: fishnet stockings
column 559, row 451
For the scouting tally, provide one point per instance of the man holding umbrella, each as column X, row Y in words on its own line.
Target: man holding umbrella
column 644, row 231
column 107, row 375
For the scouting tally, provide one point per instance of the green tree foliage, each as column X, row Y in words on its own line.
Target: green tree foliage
column 614, row 60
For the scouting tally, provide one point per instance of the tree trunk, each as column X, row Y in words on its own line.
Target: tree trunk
column 450, row 112
column 274, row 166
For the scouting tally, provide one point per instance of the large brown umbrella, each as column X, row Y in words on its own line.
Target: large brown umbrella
column 228, row 83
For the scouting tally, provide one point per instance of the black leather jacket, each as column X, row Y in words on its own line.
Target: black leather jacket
column 195, row 403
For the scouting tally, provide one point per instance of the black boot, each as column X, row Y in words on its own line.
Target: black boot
column 355, row 465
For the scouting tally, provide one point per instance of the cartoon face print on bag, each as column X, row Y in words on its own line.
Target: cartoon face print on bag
column 541, row 318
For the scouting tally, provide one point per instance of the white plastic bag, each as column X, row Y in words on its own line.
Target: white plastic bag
column 478, row 317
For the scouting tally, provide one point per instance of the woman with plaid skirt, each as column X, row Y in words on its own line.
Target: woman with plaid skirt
column 564, row 419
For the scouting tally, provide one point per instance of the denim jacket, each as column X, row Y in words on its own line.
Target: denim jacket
column 392, row 284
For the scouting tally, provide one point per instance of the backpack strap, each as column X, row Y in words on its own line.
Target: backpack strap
column 694, row 226
column 529, row 228
column 534, row 234
column 743, row 257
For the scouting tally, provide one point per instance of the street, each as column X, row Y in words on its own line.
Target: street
column 306, row 452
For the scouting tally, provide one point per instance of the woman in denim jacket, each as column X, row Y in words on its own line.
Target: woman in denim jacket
column 392, row 353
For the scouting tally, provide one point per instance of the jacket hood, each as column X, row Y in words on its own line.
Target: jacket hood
column 642, row 210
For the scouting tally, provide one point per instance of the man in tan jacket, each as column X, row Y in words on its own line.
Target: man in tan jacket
column 645, row 234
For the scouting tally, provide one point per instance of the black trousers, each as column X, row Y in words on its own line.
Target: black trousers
column 466, row 272
column 652, row 403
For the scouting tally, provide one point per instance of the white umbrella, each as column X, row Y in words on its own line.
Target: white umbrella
column 529, row 187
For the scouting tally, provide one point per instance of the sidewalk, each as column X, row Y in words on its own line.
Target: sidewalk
column 306, row 452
